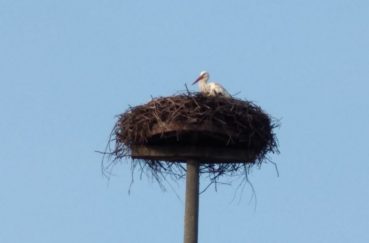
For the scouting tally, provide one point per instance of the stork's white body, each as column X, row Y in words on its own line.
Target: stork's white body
column 210, row 89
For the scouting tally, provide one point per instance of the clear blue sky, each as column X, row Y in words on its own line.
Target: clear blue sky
column 68, row 67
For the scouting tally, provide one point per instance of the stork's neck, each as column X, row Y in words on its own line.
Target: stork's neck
column 203, row 83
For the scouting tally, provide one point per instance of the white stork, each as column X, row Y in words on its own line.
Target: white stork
column 210, row 89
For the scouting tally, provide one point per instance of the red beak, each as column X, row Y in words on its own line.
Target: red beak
column 197, row 80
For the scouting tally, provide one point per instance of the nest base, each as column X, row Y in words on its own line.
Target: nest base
column 181, row 153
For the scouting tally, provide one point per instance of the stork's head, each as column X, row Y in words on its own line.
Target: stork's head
column 203, row 76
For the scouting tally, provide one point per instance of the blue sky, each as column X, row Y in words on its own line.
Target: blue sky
column 68, row 67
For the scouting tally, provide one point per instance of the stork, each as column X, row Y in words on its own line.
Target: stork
column 210, row 89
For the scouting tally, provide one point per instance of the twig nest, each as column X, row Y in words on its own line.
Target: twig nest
column 227, row 136
column 196, row 120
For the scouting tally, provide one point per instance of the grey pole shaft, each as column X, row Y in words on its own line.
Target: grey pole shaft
column 192, row 202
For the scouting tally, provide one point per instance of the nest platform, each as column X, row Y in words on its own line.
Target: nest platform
column 195, row 127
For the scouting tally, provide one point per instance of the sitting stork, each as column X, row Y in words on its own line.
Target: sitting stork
column 210, row 89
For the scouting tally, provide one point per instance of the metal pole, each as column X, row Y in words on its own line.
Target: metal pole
column 192, row 202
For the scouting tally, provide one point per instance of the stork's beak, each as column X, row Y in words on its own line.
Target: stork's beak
column 197, row 80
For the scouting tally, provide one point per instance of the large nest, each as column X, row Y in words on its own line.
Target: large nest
column 193, row 119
